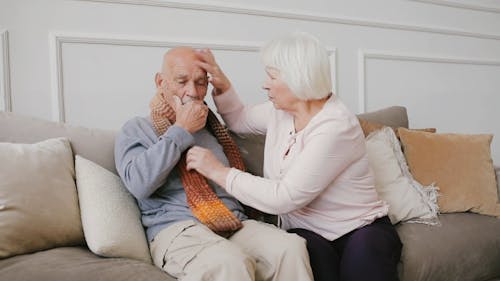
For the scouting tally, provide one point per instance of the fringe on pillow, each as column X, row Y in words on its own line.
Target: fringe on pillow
column 429, row 194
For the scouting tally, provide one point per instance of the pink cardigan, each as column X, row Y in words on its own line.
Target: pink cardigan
column 318, row 178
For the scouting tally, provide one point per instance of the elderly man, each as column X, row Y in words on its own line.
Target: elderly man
column 196, row 230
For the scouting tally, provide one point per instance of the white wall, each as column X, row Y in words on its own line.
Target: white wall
column 92, row 63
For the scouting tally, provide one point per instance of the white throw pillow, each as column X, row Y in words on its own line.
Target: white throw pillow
column 408, row 200
column 110, row 217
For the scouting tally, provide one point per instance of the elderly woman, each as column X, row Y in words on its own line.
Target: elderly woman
column 316, row 172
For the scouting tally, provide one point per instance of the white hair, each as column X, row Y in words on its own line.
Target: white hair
column 303, row 64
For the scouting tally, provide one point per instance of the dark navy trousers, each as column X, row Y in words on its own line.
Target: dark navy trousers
column 368, row 253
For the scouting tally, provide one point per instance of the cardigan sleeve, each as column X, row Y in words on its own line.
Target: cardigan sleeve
column 240, row 118
column 325, row 156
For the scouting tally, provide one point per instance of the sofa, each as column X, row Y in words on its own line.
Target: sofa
column 464, row 246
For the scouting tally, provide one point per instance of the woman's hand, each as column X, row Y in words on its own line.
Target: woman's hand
column 216, row 76
column 204, row 162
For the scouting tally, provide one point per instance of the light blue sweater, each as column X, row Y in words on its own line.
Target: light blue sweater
column 146, row 163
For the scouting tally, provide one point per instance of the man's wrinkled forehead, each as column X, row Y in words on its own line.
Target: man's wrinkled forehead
column 184, row 64
column 181, row 71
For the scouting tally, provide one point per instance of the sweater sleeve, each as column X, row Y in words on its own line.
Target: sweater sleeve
column 144, row 161
column 240, row 118
column 324, row 157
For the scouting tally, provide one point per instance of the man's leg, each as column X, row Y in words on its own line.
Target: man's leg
column 324, row 258
column 371, row 253
column 279, row 255
column 190, row 251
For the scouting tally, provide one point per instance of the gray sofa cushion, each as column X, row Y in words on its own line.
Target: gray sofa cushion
column 252, row 151
column 75, row 263
column 465, row 247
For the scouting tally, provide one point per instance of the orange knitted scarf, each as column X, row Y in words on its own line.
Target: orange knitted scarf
column 202, row 200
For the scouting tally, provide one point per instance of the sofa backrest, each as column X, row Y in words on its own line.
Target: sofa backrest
column 94, row 144
column 97, row 145
column 394, row 116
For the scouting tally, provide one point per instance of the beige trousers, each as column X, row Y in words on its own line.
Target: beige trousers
column 190, row 251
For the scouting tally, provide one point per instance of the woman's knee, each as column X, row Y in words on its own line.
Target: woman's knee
column 323, row 257
column 313, row 239
column 373, row 243
column 376, row 251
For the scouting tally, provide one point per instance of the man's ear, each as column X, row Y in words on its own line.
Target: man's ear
column 159, row 81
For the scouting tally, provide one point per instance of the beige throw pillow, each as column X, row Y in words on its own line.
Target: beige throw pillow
column 460, row 165
column 110, row 216
column 408, row 200
column 38, row 200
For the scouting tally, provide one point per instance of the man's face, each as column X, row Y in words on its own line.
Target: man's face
column 184, row 78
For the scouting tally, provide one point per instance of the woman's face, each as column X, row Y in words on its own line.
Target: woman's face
column 278, row 91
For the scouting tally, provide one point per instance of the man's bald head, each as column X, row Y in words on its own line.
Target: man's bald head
column 177, row 54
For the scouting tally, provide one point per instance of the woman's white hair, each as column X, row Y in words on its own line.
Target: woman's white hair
column 303, row 64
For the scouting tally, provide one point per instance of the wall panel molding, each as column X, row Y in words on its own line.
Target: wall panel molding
column 296, row 15
column 6, row 88
column 59, row 39
column 467, row 6
column 364, row 55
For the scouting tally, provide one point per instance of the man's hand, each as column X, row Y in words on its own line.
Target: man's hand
column 191, row 116
column 216, row 76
